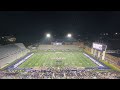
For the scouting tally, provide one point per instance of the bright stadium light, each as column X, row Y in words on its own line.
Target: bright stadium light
column 69, row 35
column 48, row 35
column 116, row 33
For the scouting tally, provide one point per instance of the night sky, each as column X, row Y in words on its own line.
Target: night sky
column 34, row 24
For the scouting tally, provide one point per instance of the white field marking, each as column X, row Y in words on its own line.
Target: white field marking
column 16, row 65
column 93, row 60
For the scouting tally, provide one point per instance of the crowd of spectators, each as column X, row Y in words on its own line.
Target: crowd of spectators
column 51, row 73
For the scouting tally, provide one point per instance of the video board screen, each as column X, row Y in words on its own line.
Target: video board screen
column 99, row 46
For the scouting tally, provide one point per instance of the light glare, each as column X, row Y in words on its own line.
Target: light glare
column 69, row 35
column 48, row 35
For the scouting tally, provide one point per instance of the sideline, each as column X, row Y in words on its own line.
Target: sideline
column 23, row 60
column 93, row 60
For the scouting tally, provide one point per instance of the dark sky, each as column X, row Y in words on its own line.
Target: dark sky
column 36, row 23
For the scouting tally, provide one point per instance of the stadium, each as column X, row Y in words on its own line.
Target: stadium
column 56, row 60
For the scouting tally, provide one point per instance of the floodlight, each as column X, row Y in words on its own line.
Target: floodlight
column 48, row 35
column 116, row 33
column 69, row 35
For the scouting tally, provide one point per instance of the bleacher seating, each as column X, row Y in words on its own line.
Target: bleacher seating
column 12, row 52
column 58, row 47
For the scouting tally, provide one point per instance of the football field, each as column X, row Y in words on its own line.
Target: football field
column 58, row 58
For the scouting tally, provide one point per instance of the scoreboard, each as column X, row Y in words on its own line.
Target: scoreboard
column 99, row 47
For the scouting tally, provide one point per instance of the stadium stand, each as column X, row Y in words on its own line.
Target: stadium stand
column 12, row 52
column 21, row 45
column 51, row 73
column 58, row 47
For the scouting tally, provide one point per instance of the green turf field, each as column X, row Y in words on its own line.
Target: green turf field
column 58, row 58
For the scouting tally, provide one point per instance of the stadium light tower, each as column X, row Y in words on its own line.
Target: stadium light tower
column 69, row 35
column 48, row 35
